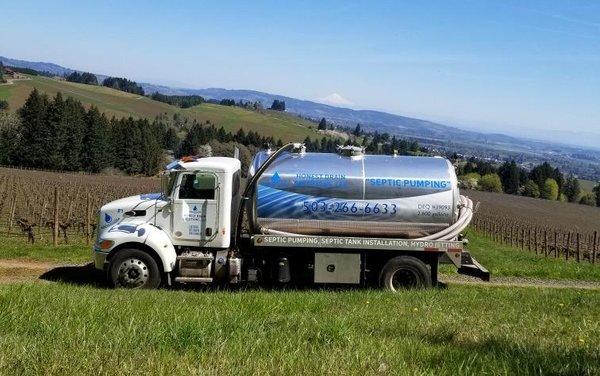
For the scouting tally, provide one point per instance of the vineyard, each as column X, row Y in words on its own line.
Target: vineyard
column 549, row 228
column 61, row 208
column 49, row 206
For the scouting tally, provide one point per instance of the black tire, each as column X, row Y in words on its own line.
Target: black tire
column 404, row 272
column 133, row 268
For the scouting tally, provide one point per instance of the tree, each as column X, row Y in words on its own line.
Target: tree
column 470, row 180
column 596, row 192
column 278, row 105
column 509, row 174
column 10, row 134
column 414, row 146
column 560, row 179
column 55, row 121
column 73, row 126
column 36, row 136
column 531, row 189
column 322, row 124
column 490, row 183
column 171, row 140
column 151, row 152
column 2, row 80
column 83, row 78
column 541, row 172
column 549, row 190
column 357, row 131
column 123, row 84
column 183, row 101
column 3, row 105
column 227, row 102
column 588, row 199
column 96, row 150
column 572, row 188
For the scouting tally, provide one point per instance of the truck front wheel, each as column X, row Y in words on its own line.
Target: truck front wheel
column 132, row 268
column 404, row 272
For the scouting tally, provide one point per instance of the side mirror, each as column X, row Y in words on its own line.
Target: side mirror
column 166, row 183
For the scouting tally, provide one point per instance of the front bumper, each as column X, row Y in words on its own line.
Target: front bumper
column 99, row 259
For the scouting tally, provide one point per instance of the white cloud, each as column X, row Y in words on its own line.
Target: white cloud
column 335, row 99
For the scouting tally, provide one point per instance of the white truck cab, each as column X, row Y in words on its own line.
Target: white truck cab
column 191, row 219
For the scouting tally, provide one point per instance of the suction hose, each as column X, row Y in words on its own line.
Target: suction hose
column 250, row 190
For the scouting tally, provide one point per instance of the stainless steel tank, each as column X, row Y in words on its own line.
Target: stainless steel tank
column 355, row 194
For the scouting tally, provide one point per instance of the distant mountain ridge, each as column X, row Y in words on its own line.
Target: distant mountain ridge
column 368, row 119
column 41, row 66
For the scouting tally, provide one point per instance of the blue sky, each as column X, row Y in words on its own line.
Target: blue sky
column 513, row 66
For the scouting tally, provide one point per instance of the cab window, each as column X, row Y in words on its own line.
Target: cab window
column 197, row 187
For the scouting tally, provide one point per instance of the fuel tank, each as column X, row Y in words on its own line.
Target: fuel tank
column 354, row 194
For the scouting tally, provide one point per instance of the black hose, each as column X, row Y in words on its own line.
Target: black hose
column 249, row 194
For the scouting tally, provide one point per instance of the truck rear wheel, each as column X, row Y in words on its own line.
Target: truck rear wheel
column 134, row 269
column 404, row 272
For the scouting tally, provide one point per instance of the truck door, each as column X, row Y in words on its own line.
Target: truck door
column 196, row 209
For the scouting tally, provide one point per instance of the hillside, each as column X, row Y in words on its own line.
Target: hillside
column 120, row 104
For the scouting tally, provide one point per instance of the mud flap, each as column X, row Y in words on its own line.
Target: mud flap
column 469, row 266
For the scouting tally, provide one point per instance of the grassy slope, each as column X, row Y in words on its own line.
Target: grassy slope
column 120, row 104
column 61, row 329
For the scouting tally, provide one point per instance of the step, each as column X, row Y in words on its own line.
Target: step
column 193, row 279
column 196, row 258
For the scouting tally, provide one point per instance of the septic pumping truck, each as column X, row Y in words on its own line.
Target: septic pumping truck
column 303, row 218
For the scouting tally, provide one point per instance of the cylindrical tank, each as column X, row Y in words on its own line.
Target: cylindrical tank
column 356, row 194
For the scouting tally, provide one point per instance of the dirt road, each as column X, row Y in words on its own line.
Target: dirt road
column 12, row 271
column 521, row 282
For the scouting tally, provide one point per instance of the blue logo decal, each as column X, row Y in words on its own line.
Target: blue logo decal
column 107, row 218
column 275, row 179
column 195, row 208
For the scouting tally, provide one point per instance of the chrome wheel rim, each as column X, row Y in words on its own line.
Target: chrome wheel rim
column 133, row 273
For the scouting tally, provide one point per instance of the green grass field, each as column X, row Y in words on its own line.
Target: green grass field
column 120, row 104
column 55, row 329
column 74, row 328
column 16, row 247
